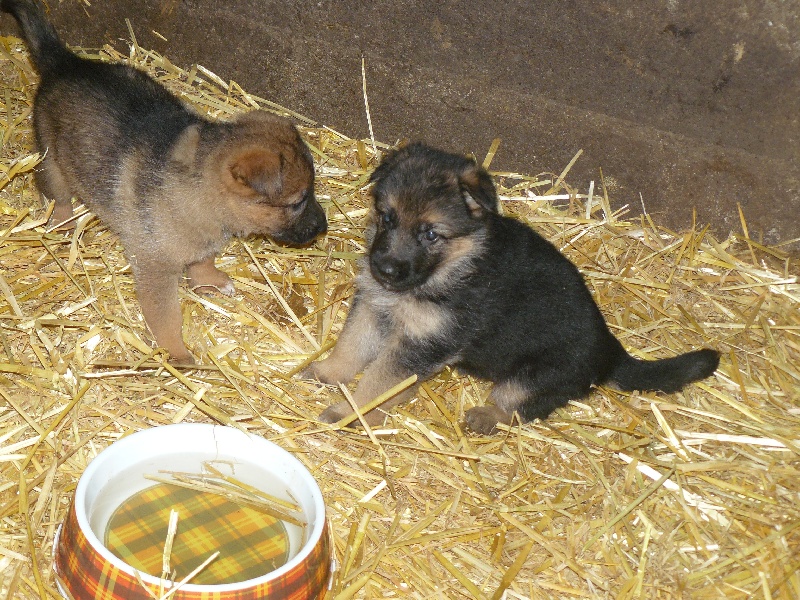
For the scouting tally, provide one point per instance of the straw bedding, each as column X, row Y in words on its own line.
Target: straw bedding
column 694, row 495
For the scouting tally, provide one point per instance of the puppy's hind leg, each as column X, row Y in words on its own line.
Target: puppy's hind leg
column 507, row 397
column 357, row 346
column 53, row 186
column 524, row 397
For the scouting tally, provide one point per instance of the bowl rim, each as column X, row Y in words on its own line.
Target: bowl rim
column 313, row 534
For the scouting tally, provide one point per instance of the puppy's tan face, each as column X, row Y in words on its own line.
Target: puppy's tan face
column 267, row 176
column 428, row 221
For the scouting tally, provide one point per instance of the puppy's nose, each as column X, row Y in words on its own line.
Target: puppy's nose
column 392, row 270
column 319, row 227
column 315, row 216
column 310, row 224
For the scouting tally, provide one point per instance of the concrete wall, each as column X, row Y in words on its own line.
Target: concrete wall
column 691, row 103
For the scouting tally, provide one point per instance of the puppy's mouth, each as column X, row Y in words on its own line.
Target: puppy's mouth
column 309, row 225
column 298, row 238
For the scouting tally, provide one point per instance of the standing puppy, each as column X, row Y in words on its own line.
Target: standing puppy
column 173, row 185
column 448, row 281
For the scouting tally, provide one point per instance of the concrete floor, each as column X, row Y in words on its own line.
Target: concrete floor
column 685, row 105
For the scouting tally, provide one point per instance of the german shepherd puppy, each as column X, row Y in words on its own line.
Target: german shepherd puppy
column 449, row 281
column 173, row 185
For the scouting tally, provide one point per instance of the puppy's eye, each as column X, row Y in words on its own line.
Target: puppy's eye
column 300, row 203
column 430, row 236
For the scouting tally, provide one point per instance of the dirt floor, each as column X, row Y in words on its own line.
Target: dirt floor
column 683, row 105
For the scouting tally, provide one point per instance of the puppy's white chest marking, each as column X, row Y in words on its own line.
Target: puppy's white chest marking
column 415, row 318
column 420, row 318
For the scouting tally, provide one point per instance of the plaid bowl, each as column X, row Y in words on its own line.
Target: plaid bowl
column 86, row 570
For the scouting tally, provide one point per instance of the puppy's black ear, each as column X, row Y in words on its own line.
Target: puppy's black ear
column 383, row 168
column 387, row 163
column 392, row 158
column 478, row 191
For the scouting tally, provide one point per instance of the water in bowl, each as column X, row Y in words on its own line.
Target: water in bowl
column 251, row 543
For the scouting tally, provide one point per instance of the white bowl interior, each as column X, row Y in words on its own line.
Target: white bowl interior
column 118, row 472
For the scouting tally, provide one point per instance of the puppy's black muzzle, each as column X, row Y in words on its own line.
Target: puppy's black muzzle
column 394, row 261
column 309, row 224
column 390, row 272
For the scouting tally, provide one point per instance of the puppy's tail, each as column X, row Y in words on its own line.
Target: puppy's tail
column 666, row 375
column 47, row 50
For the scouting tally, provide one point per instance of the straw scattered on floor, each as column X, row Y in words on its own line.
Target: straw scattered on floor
column 693, row 495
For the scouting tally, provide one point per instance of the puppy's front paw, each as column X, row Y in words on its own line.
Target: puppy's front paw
column 323, row 371
column 60, row 218
column 227, row 289
column 336, row 412
column 223, row 286
column 309, row 372
column 484, row 419
column 340, row 410
column 205, row 278
column 182, row 360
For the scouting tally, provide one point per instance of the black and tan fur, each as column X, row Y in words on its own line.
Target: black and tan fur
column 173, row 185
column 449, row 281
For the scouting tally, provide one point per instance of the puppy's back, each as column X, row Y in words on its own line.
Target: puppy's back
column 94, row 114
column 536, row 302
column 538, row 276
column 97, row 120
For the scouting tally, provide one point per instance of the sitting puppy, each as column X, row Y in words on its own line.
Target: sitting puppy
column 448, row 281
column 173, row 185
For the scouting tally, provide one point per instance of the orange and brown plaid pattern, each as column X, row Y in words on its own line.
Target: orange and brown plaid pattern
column 250, row 543
column 85, row 575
